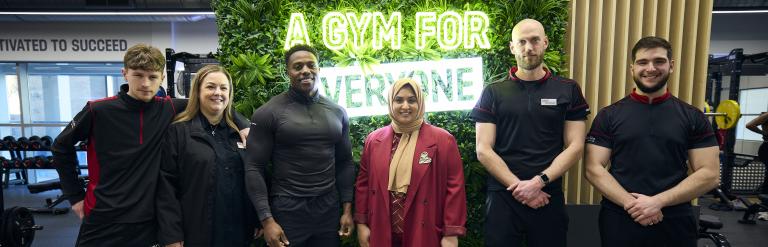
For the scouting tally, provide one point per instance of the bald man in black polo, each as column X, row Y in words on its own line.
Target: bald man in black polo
column 530, row 130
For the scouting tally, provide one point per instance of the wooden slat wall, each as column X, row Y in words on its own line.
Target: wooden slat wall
column 600, row 36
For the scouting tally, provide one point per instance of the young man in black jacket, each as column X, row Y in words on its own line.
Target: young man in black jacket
column 124, row 134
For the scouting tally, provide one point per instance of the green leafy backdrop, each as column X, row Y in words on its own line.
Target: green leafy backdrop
column 251, row 37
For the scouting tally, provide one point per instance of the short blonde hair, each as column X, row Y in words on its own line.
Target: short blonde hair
column 144, row 57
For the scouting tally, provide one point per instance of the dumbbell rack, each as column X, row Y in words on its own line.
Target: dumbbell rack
column 19, row 160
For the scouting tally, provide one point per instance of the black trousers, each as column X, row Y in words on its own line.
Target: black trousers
column 309, row 221
column 508, row 222
column 620, row 230
column 117, row 234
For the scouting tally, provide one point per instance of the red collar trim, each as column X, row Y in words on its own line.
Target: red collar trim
column 644, row 99
column 546, row 77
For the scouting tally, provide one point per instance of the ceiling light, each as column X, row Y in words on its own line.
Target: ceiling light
column 739, row 11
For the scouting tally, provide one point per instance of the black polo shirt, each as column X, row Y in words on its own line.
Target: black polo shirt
column 530, row 119
column 649, row 142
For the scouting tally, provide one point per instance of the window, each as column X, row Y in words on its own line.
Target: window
column 59, row 91
column 752, row 103
column 10, row 109
column 41, row 98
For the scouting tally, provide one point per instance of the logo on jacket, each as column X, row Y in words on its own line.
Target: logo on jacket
column 591, row 139
column 424, row 158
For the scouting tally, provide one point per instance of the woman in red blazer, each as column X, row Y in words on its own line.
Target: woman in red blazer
column 410, row 188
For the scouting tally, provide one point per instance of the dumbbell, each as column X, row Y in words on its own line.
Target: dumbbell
column 46, row 142
column 28, row 162
column 38, row 143
column 10, row 142
column 51, row 163
column 17, row 163
column 43, row 162
column 83, row 145
column 5, row 162
column 23, row 143
column 34, row 142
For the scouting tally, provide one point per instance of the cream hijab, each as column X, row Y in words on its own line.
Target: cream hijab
column 401, row 165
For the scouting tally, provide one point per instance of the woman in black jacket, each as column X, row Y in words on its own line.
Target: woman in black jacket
column 201, row 198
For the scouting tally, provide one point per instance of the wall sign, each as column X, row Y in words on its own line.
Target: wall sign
column 63, row 45
column 450, row 29
column 448, row 84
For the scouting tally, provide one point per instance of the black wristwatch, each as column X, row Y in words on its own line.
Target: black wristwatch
column 544, row 178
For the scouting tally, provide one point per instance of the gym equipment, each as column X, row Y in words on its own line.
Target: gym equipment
column 707, row 222
column 9, row 142
column 5, row 163
column 82, row 145
column 18, row 227
column 727, row 115
column 46, row 142
column 753, row 209
column 17, row 163
column 28, row 163
column 734, row 65
column 43, row 162
column 192, row 63
column 50, row 204
column 33, row 143
column 23, row 143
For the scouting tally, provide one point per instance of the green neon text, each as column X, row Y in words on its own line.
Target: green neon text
column 450, row 29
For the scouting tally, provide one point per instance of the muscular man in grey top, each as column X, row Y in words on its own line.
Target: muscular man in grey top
column 305, row 137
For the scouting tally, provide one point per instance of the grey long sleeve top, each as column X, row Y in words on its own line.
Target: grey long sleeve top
column 306, row 140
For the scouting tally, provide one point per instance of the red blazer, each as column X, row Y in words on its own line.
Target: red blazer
column 436, row 203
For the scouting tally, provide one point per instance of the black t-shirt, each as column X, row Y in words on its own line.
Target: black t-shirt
column 529, row 118
column 649, row 143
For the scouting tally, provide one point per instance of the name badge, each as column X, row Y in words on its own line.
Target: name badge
column 548, row 101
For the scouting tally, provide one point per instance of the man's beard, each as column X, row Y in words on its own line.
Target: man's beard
column 299, row 87
column 523, row 64
column 652, row 89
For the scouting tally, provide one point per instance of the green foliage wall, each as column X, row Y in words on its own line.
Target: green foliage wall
column 251, row 37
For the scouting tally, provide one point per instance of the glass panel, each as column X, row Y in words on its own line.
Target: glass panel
column 59, row 91
column 752, row 103
column 742, row 133
column 10, row 109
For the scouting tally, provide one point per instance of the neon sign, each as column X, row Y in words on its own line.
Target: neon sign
column 297, row 31
column 450, row 29
column 448, row 84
